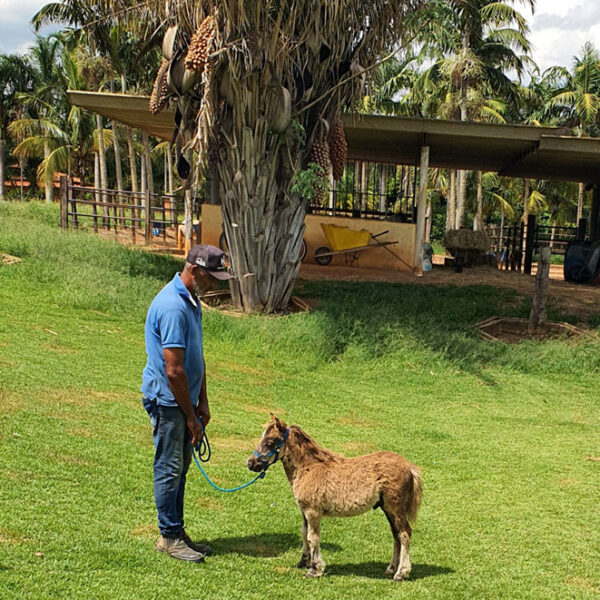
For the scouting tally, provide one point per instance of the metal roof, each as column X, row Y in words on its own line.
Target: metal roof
column 511, row 150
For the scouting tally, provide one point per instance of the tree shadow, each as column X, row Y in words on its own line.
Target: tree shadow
column 263, row 545
column 376, row 570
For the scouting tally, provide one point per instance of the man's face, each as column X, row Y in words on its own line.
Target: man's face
column 203, row 281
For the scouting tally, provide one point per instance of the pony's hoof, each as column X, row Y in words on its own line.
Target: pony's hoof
column 303, row 563
column 402, row 575
column 391, row 570
column 312, row 573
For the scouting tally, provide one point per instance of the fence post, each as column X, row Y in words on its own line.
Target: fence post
column 529, row 243
column 64, row 211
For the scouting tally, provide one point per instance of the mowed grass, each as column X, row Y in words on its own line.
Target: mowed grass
column 505, row 436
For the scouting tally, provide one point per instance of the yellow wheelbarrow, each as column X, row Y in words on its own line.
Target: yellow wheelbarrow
column 348, row 242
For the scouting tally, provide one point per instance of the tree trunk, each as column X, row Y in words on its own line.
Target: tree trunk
column 148, row 163
column 21, row 176
column 49, row 180
column 526, row 194
column 461, row 201
column 537, row 317
column 118, row 166
column 262, row 219
column 132, row 160
column 2, row 153
column 97, row 185
column 103, row 172
column 478, row 220
column 580, row 202
column 451, row 206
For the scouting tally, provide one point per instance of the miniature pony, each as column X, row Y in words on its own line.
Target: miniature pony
column 326, row 484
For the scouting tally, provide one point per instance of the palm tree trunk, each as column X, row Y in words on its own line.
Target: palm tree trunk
column 461, row 201
column 526, row 194
column 451, row 207
column 118, row 167
column 49, row 180
column 478, row 220
column 97, row 177
column 2, row 153
column 21, row 176
column 103, row 172
column 580, row 200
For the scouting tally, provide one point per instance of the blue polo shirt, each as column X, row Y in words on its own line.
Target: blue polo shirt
column 174, row 320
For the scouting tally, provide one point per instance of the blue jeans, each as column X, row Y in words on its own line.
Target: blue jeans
column 173, row 453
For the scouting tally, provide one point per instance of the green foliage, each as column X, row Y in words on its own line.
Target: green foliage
column 310, row 183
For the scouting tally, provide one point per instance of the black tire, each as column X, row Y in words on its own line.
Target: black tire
column 302, row 250
column 223, row 243
column 323, row 260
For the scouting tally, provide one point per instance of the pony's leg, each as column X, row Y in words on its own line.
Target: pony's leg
column 313, row 535
column 393, row 566
column 305, row 560
column 405, row 532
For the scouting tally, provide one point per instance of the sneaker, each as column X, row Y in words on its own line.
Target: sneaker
column 177, row 548
column 202, row 548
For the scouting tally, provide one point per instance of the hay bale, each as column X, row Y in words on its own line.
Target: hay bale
column 466, row 239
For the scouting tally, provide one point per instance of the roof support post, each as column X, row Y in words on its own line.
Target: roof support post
column 421, row 209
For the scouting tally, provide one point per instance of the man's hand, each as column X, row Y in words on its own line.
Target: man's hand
column 203, row 412
column 195, row 430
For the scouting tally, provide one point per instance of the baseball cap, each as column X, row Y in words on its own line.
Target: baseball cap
column 210, row 258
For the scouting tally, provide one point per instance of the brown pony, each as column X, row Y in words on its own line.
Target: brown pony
column 326, row 484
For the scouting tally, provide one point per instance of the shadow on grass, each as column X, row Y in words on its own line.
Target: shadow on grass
column 264, row 545
column 376, row 570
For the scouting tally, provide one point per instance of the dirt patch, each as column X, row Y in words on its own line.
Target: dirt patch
column 579, row 300
column 513, row 331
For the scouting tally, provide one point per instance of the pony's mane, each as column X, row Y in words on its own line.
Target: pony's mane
column 308, row 447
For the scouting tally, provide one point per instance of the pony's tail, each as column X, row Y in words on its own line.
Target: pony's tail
column 417, row 494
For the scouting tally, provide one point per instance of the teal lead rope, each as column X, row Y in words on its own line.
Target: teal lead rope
column 204, row 454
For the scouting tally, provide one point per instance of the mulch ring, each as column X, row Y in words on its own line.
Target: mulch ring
column 221, row 300
column 512, row 330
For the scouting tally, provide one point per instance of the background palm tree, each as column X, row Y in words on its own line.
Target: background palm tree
column 578, row 99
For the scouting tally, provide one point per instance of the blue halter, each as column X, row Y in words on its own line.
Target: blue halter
column 264, row 458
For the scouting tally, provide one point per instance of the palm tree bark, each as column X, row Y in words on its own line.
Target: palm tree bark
column 103, row 171
column 478, row 220
column 2, row 153
column 526, row 194
column 118, row 166
column 48, row 181
column 580, row 202
column 451, row 207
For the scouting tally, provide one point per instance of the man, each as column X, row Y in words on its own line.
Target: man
column 174, row 389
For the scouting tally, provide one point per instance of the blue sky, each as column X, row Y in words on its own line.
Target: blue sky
column 559, row 27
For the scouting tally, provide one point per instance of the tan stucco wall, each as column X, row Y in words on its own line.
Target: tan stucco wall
column 403, row 233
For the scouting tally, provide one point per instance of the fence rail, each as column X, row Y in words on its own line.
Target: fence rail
column 140, row 214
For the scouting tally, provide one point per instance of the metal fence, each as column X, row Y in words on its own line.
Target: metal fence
column 371, row 190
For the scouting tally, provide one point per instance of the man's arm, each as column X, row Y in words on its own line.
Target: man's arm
column 202, row 408
column 178, row 383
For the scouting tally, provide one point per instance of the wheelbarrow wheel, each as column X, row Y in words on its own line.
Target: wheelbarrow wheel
column 302, row 250
column 223, row 243
column 323, row 260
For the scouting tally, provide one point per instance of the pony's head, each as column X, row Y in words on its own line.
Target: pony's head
column 270, row 445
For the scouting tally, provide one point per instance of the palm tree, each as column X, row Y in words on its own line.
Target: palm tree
column 579, row 99
column 56, row 132
column 16, row 75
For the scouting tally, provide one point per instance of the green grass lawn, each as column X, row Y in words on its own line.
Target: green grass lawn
column 503, row 436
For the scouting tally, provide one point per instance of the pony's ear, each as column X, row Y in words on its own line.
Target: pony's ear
column 278, row 422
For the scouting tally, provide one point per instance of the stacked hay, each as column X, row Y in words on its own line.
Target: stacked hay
column 465, row 239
